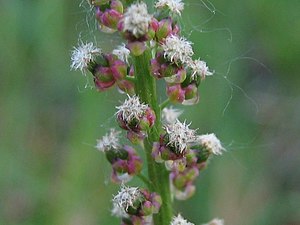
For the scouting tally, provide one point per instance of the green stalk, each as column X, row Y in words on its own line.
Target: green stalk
column 158, row 175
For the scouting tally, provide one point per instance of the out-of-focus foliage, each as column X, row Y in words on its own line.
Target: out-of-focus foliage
column 50, row 172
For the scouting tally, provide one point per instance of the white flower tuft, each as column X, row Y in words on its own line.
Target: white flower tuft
column 122, row 52
column 177, row 50
column 215, row 222
column 132, row 108
column 170, row 115
column 199, row 68
column 83, row 55
column 179, row 220
column 118, row 211
column 175, row 6
column 127, row 196
column 136, row 19
column 109, row 141
column 180, row 136
column 211, row 143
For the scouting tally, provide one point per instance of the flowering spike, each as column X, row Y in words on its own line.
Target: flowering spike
column 83, row 55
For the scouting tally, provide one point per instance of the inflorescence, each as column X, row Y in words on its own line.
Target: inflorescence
column 183, row 152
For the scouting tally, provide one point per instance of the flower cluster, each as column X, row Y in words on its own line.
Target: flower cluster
column 153, row 49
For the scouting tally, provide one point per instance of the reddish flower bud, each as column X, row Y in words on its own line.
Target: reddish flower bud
column 119, row 70
column 175, row 93
column 137, row 47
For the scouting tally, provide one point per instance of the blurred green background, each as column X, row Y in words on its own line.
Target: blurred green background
column 50, row 172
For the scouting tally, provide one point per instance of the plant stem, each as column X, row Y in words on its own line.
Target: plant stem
column 158, row 175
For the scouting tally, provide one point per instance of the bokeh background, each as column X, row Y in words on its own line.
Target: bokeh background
column 50, row 172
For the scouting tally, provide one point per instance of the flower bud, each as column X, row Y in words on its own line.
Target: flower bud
column 137, row 47
column 175, row 93
column 119, row 70
column 177, row 78
column 164, row 29
column 191, row 95
column 110, row 18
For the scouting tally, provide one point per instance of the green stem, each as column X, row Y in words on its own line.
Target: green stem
column 158, row 175
column 164, row 104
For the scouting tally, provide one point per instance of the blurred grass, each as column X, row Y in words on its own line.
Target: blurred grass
column 50, row 172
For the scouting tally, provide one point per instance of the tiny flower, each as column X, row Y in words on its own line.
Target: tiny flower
column 179, row 220
column 170, row 115
column 175, row 6
column 128, row 197
column 109, row 142
column 122, row 53
column 118, row 211
column 215, row 221
column 177, row 49
column 199, row 68
column 179, row 136
column 83, row 55
column 132, row 108
column 136, row 19
column 211, row 143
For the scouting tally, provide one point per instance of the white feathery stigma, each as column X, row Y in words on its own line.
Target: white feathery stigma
column 211, row 143
column 177, row 49
column 118, row 211
column 109, row 141
column 199, row 68
column 180, row 135
column 179, row 220
column 137, row 19
column 215, row 221
column 175, row 6
column 122, row 52
column 83, row 55
column 127, row 196
column 170, row 115
column 132, row 108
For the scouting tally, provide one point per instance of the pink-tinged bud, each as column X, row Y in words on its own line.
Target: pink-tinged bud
column 191, row 95
column 176, row 29
column 168, row 70
column 175, row 93
column 137, row 48
column 135, row 138
column 119, row 70
column 110, row 18
column 98, row 13
column 126, row 86
column 102, row 86
column 117, row 5
column 178, row 78
column 103, row 78
column 164, row 29
column 148, row 119
column 155, row 68
column 153, row 26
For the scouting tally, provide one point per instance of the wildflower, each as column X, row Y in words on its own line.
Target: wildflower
column 211, row 143
column 170, row 115
column 215, row 221
column 131, row 109
column 175, row 6
column 199, row 68
column 109, row 141
column 83, row 56
column 179, row 136
column 177, row 50
column 179, row 220
column 128, row 197
column 136, row 19
column 122, row 53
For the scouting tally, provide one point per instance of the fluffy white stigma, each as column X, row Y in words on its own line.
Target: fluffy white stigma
column 109, row 142
column 175, row 6
column 215, row 222
column 127, row 196
column 170, row 115
column 132, row 108
column 83, row 55
column 177, row 50
column 211, row 143
column 122, row 52
column 179, row 220
column 199, row 68
column 118, row 211
column 180, row 135
column 136, row 19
